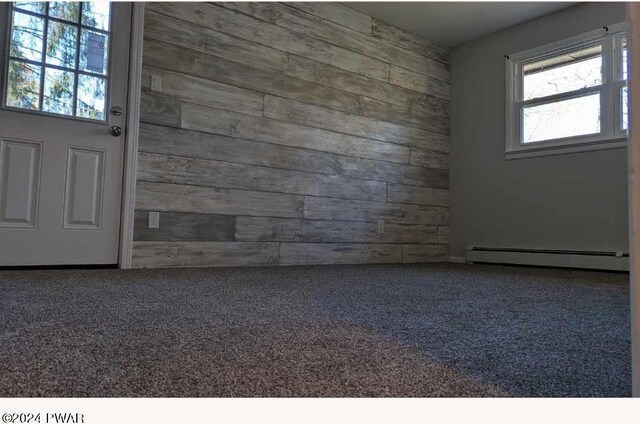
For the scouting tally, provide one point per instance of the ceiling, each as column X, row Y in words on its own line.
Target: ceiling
column 454, row 23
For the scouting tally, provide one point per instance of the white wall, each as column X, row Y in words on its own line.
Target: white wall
column 572, row 201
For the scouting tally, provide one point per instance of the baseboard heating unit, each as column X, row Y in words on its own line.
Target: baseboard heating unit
column 613, row 261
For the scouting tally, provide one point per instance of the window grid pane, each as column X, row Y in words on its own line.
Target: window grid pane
column 93, row 52
column 67, row 11
column 96, row 15
column 624, row 98
column 563, row 73
column 561, row 119
column 23, row 90
column 91, row 97
column 58, row 91
column 27, row 36
column 624, row 59
column 61, row 45
column 43, row 59
column 53, row 54
column 31, row 6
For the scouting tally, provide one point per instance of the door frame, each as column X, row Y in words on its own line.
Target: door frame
column 633, row 16
column 125, row 247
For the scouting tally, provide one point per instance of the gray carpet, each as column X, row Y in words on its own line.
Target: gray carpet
column 383, row 330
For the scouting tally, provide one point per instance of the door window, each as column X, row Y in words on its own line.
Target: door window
column 58, row 58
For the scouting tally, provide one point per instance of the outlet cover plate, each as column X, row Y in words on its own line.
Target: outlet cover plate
column 156, row 83
column 154, row 220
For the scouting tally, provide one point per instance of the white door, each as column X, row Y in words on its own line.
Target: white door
column 64, row 81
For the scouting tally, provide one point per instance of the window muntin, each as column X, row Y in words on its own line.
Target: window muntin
column 58, row 58
column 567, row 93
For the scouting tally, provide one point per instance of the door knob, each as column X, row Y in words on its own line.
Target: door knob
column 115, row 130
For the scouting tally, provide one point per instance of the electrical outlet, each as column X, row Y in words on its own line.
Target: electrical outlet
column 380, row 227
column 154, row 220
column 156, row 83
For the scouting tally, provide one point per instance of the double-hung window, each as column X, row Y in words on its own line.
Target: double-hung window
column 569, row 95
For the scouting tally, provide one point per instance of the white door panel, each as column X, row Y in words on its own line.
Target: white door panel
column 61, row 176
column 84, row 188
column 19, row 182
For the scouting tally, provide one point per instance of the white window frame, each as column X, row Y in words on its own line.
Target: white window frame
column 610, row 136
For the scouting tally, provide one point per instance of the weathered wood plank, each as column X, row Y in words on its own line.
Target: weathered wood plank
column 157, row 254
column 420, row 106
column 338, row 253
column 170, row 30
column 279, row 128
column 419, row 82
column 331, row 76
column 303, row 23
column 184, row 198
column 205, row 172
column 429, row 159
column 429, row 105
column 160, row 110
column 409, row 41
column 318, row 117
column 391, row 172
column 179, row 226
column 443, row 235
column 311, row 231
column 397, row 193
column 173, row 141
column 233, row 23
column 433, row 120
column 336, row 13
column 190, row 62
column 416, row 253
column 233, row 124
column 359, row 210
column 202, row 91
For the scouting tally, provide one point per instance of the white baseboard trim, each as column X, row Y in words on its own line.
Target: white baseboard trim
column 457, row 259
column 585, row 260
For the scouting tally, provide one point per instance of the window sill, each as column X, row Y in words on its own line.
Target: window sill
column 536, row 151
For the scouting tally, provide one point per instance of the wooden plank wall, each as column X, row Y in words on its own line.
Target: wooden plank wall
column 287, row 134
